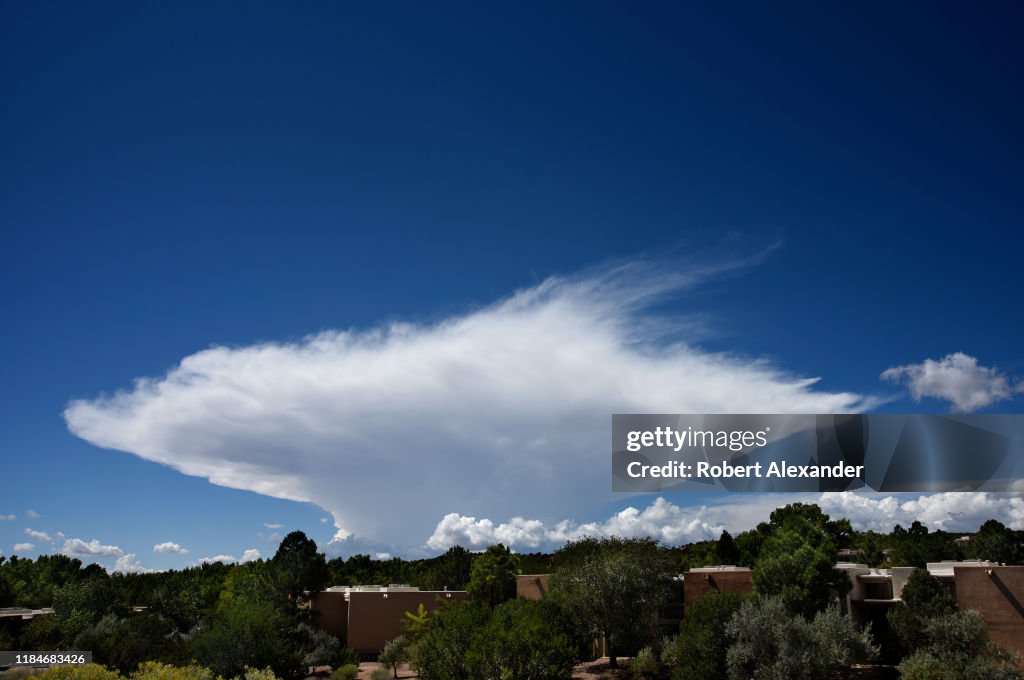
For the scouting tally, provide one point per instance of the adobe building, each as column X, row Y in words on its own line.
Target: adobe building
column 726, row 578
column 366, row 617
column 993, row 590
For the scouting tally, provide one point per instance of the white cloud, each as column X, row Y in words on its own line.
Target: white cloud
column 324, row 519
column 127, row 564
column 23, row 547
column 226, row 559
column 661, row 519
column 38, row 535
column 956, row 378
column 500, row 408
column 60, row 534
column 170, row 547
column 33, row 514
column 953, row 511
column 8, row 518
column 76, row 547
column 273, row 526
column 383, row 556
column 250, row 555
column 677, row 525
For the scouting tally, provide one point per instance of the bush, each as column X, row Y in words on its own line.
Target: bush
column 380, row 674
column 440, row 653
column 260, row 674
column 770, row 643
column 347, row 672
column 523, row 639
column 699, row 651
column 958, row 648
column 88, row 672
column 154, row 670
column 644, row 664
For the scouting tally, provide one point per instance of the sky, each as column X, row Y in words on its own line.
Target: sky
column 381, row 274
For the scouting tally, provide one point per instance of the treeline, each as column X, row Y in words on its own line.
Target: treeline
column 228, row 618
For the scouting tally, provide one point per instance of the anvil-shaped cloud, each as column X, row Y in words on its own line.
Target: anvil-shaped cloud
column 500, row 411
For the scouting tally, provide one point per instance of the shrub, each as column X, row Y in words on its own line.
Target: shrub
column 380, row 674
column 770, row 643
column 154, row 670
column 87, row 672
column 347, row 672
column 958, row 648
column 699, row 651
column 259, row 674
column 644, row 664
column 523, row 639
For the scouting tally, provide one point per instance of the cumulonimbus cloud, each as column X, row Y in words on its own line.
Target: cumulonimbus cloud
column 957, row 378
column 495, row 412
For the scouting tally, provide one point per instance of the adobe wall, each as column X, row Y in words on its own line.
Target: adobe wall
column 697, row 584
column 998, row 594
column 375, row 617
column 333, row 613
column 532, row 586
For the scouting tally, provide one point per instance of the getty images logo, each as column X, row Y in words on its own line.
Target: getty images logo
column 667, row 437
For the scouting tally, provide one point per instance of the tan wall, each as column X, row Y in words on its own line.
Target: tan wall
column 698, row 584
column 374, row 618
column 999, row 597
column 333, row 613
column 532, row 586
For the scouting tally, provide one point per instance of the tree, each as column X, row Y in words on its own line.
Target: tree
column 995, row 542
column 923, row 599
column 916, row 546
column 728, row 552
column 527, row 639
column 772, row 643
column 246, row 633
column 299, row 567
column 450, row 570
column 797, row 564
column 702, row 643
column 615, row 588
column 440, row 654
column 395, row 653
column 493, row 576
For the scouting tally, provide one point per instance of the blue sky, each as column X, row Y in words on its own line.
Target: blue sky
column 841, row 186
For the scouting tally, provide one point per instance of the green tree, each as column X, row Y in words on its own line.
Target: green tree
column 395, row 653
column 772, row 643
column 923, row 599
column 299, row 567
column 797, row 563
column 728, row 552
column 701, row 647
column 450, row 570
column 524, row 639
column 493, row 576
column 254, row 634
column 615, row 588
column 996, row 543
column 440, row 653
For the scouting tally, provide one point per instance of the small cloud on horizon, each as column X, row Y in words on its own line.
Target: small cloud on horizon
column 23, row 547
